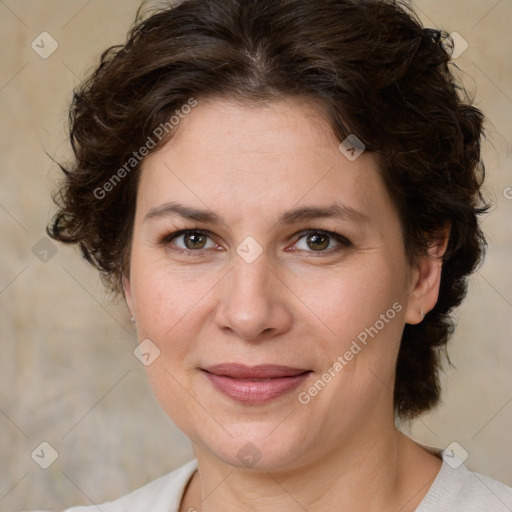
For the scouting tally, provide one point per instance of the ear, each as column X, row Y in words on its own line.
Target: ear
column 127, row 292
column 426, row 279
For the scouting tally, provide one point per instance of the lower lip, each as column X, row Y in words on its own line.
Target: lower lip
column 255, row 391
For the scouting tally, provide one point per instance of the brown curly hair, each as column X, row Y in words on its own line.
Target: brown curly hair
column 378, row 74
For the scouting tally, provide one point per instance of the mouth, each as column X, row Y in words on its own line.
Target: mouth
column 254, row 384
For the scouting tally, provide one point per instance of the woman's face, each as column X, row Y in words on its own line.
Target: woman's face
column 277, row 338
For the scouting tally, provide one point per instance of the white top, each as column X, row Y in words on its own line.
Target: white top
column 453, row 490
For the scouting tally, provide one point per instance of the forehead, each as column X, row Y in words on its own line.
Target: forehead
column 225, row 154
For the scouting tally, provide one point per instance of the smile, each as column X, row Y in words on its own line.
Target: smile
column 254, row 384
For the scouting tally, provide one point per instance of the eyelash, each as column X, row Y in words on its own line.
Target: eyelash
column 168, row 238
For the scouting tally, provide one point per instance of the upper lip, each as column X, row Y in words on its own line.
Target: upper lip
column 264, row 371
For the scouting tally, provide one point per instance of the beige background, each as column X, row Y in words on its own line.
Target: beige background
column 67, row 372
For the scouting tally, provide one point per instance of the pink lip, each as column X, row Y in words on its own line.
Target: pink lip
column 254, row 384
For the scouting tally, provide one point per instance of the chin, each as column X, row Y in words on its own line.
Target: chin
column 256, row 447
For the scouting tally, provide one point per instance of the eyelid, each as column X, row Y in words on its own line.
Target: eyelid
column 339, row 238
column 168, row 238
column 175, row 234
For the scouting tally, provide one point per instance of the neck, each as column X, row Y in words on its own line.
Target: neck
column 389, row 472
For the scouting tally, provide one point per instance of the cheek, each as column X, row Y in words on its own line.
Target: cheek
column 167, row 304
column 362, row 311
column 172, row 305
column 349, row 300
column 363, row 316
column 162, row 294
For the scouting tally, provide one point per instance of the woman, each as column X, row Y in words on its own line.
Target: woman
column 287, row 194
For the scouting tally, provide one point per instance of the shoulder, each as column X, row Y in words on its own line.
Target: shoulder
column 161, row 495
column 458, row 489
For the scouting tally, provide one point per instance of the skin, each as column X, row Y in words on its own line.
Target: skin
column 294, row 305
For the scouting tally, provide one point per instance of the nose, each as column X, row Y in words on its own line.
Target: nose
column 254, row 302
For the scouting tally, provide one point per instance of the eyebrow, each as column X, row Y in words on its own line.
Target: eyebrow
column 336, row 211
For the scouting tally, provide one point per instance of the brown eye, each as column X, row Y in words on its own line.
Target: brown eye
column 195, row 240
column 321, row 242
column 189, row 240
column 318, row 241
